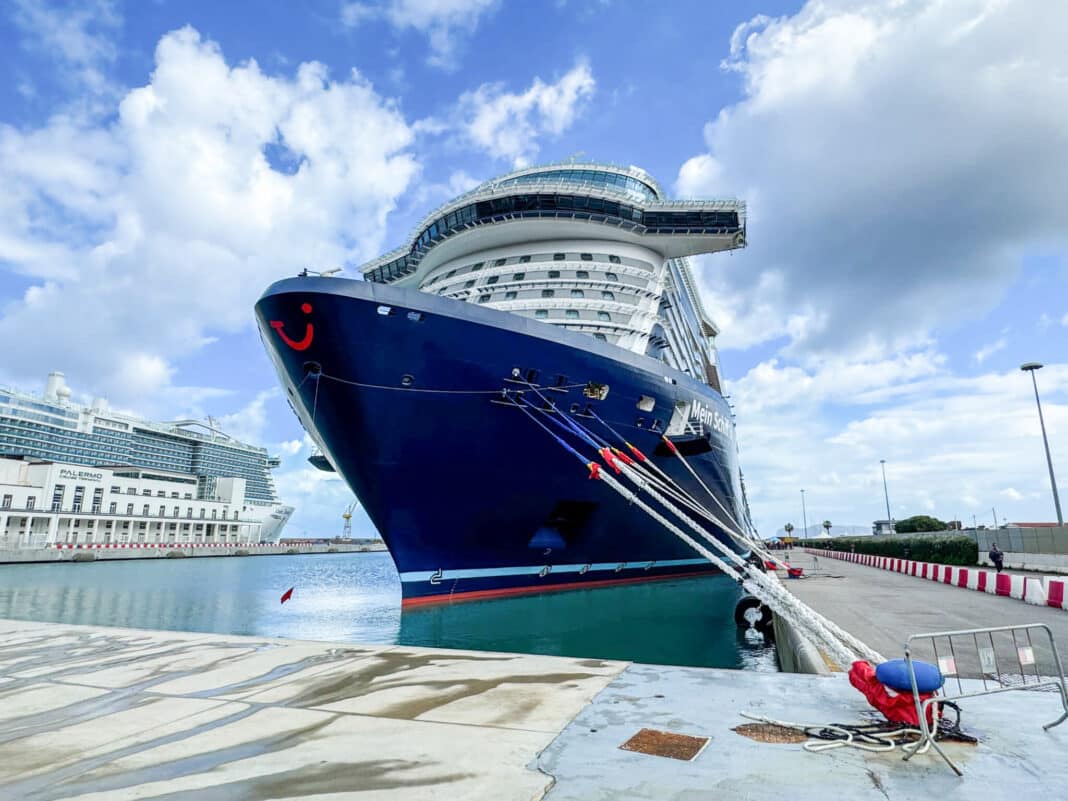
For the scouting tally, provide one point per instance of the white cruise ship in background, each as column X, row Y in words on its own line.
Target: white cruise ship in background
column 77, row 475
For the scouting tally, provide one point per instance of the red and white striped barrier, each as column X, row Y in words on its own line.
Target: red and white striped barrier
column 1037, row 590
column 79, row 546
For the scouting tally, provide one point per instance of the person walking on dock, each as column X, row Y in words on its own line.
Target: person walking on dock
column 997, row 557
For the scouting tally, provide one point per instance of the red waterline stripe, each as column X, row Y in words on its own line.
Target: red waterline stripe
column 476, row 595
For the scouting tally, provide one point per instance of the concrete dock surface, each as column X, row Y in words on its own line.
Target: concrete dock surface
column 95, row 713
column 884, row 608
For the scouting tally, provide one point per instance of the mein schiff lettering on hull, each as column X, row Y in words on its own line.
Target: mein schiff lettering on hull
column 572, row 279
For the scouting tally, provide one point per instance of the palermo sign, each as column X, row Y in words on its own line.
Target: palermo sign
column 80, row 475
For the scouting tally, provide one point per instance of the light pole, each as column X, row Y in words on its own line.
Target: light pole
column 1030, row 367
column 886, row 495
column 804, row 514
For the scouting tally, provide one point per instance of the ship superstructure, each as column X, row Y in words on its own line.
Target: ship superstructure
column 71, row 469
column 551, row 278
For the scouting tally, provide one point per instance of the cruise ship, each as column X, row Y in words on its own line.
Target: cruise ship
column 564, row 288
column 73, row 475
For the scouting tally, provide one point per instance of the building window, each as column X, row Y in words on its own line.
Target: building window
column 162, row 511
column 146, row 492
column 500, row 262
column 541, row 314
column 547, row 293
column 129, row 508
column 161, row 494
column 31, row 502
column 57, row 497
column 214, row 514
column 519, row 276
column 201, row 514
column 142, row 525
column 559, row 256
column 6, row 503
column 76, row 504
column 554, row 273
column 131, row 491
column 113, row 508
column 175, row 512
column 510, row 295
column 144, row 510
column 614, row 260
column 98, row 499
column 235, row 514
column 611, row 277
column 174, row 494
column 586, row 256
column 468, row 284
column 483, row 298
column 116, row 490
column 606, row 295
column 188, row 496
column 185, row 527
column 493, row 279
column 601, row 337
column 582, row 274
column 577, row 293
column 524, row 259
column 571, row 314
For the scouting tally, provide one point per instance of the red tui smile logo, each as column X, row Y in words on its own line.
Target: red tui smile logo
column 309, row 331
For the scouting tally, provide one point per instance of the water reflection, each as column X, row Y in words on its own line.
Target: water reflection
column 356, row 598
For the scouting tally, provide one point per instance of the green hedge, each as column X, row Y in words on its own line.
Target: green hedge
column 941, row 550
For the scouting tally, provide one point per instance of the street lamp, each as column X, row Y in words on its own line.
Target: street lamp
column 886, row 495
column 1030, row 367
column 804, row 514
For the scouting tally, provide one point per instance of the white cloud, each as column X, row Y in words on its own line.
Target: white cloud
column 507, row 125
column 949, row 441
column 148, row 236
column 249, row 423
column 79, row 39
column 1064, row 321
column 867, row 145
column 445, row 23
column 989, row 350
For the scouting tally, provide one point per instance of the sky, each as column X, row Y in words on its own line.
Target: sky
column 904, row 164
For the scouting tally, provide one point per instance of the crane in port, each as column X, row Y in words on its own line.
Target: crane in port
column 346, row 532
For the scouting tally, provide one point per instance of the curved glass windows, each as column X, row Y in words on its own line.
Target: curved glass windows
column 524, row 259
column 493, row 279
column 614, row 260
column 609, row 180
column 586, row 256
column 582, row 274
column 500, row 262
column 559, row 256
column 601, row 337
column 510, row 295
column 577, row 293
column 541, row 314
column 606, row 295
column 519, row 276
column 483, row 298
column 604, row 316
column 611, row 277
column 554, row 273
column 547, row 293
column 468, row 284
column 571, row 314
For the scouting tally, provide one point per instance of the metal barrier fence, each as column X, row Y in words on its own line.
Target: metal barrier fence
column 1003, row 658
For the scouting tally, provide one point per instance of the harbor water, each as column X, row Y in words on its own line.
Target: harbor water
column 356, row 598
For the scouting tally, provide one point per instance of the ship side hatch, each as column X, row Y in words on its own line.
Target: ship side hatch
column 562, row 526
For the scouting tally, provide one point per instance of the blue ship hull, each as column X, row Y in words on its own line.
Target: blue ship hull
column 473, row 498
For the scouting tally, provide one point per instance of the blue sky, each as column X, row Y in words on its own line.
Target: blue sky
column 161, row 163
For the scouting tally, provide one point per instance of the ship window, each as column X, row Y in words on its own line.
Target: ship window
column 586, row 256
column 468, row 284
column 510, row 295
column 476, row 266
column 541, row 314
column 554, row 273
column 577, row 293
column 450, row 273
column 493, row 279
column 547, row 293
column 606, row 295
column 483, row 298
column 611, row 276
column 601, row 337
column 582, row 274
column 614, row 260
column 519, row 276
column 500, row 262
column 571, row 314
column 559, row 256
column 524, row 259
column 604, row 316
